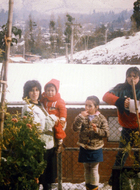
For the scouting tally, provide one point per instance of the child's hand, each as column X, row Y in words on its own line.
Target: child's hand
column 94, row 127
column 84, row 113
column 57, row 121
column 63, row 123
column 126, row 102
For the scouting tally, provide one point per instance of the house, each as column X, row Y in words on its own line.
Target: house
column 17, row 59
column 32, row 58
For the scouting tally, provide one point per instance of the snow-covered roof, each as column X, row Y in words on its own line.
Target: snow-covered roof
column 18, row 60
column 76, row 81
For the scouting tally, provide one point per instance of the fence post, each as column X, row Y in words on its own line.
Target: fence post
column 59, row 172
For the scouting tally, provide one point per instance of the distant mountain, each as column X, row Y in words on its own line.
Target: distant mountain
column 69, row 6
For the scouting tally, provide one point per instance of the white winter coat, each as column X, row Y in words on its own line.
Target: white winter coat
column 46, row 124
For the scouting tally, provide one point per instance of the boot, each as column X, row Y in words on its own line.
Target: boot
column 110, row 181
column 87, row 186
column 91, row 187
column 47, row 186
column 94, row 187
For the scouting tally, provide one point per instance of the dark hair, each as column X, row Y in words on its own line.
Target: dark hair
column 94, row 99
column 28, row 87
column 133, row 69
column 125, row 85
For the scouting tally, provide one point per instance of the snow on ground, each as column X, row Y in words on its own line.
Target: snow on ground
column 113, row 52
column 78, row 186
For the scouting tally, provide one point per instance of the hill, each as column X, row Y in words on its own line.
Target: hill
column 121, row 50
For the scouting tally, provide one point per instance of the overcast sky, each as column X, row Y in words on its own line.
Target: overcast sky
column 79, row 6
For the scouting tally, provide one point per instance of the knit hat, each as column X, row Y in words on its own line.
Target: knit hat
column 55, row 82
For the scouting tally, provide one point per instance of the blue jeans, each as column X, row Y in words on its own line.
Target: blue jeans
column 127, row 135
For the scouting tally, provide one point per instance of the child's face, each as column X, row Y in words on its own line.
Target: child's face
column 50, row 91
column 134, row 77
column 34, row 95
column 90, row 107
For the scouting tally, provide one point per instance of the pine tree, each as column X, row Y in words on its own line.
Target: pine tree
column 52, row 34
column 68, row 29
column 136, row 14
column 29, row 35
column 59, row 33
column 39, row 44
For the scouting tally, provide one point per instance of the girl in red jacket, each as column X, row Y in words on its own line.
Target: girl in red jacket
column 55, row 105
column 120, row 96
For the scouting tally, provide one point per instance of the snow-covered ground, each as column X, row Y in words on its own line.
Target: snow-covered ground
column 78, row 186
column 113, row 52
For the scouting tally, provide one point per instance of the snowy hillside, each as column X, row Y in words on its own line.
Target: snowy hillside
column 121, row 50
column 118, row 51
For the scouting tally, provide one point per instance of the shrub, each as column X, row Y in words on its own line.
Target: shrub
column 22, row 159
column 130, row 179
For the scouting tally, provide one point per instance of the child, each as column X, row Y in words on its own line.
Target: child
column 120, row 96
column 92, row 126
column 55, row 105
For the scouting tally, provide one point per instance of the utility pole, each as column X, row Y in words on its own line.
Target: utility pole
column 67, row 56
column 24, row 49
column 86, row 42
column 106, row 35
column 72, row 41
column 5, row 69
column 71, row 60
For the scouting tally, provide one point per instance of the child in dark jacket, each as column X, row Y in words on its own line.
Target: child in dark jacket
column 92, row 127
column 55, row 105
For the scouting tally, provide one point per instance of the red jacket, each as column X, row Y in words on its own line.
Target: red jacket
column 54, row 105
column 125, row 120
